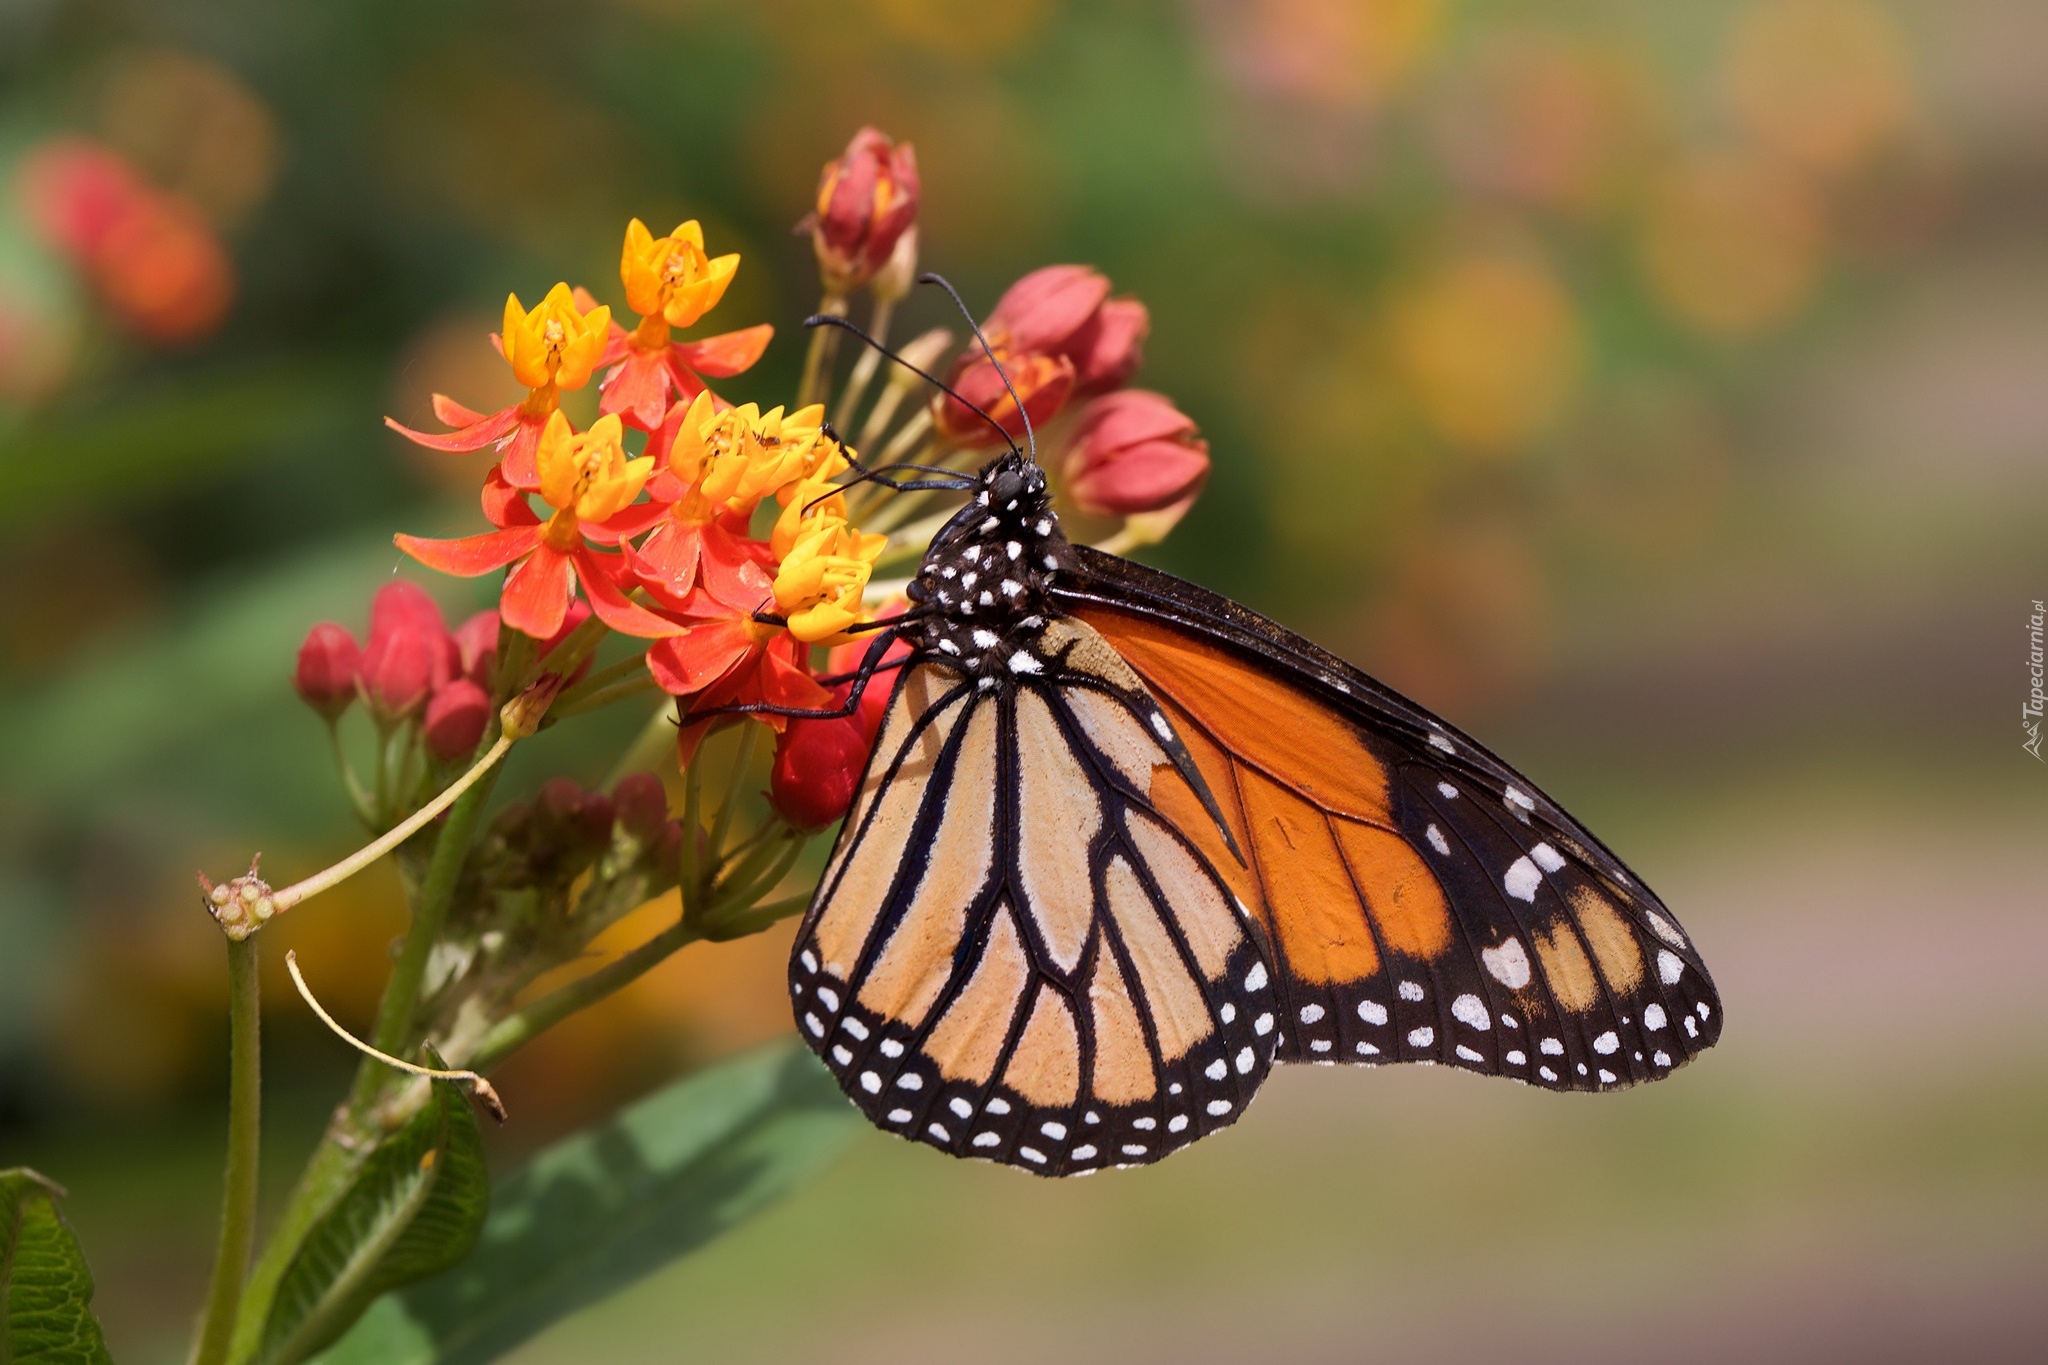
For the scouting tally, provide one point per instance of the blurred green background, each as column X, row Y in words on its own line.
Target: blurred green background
column 1658, row 391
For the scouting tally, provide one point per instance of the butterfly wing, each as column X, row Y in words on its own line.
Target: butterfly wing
column 1423, row 901
column 1014, row 953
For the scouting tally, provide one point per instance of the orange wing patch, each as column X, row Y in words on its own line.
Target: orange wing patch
column 1309, row 904
column 1291, row 737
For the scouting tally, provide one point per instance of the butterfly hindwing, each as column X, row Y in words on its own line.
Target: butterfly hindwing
column 1423, row 901
column 1016, row 953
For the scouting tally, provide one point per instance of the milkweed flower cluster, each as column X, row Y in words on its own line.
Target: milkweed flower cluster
column 724, row 561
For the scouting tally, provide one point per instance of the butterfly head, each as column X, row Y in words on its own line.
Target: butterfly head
column 989, row 574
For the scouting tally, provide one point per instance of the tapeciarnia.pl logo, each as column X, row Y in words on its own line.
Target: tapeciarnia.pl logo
column 2030, row 711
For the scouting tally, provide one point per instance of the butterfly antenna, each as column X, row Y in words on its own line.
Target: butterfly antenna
column 942, row 282
column 827, row 320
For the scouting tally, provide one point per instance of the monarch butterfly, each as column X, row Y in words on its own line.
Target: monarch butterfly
column 1123, row 845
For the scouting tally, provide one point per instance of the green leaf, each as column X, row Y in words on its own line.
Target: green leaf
column 610, row 1205
column 414, row 1210
column 45, row 1290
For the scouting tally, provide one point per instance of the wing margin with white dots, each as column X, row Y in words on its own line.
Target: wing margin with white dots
column 1551, row 964
column 1014, row 953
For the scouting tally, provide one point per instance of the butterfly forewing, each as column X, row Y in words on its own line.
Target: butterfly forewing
column 1017, row 952
column 1423, row 902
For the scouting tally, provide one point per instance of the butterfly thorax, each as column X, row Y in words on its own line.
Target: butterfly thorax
column 987, row 577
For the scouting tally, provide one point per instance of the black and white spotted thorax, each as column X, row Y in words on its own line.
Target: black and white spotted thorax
column 987, row 577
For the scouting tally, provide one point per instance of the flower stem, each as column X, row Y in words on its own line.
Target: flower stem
column 864, row 368
column 817, row 380
column 396, row 835
column 245, row 1132
column 451, row 849
column 513, row 1031
column 358, row 798
column 604, row 696
column 743, row 754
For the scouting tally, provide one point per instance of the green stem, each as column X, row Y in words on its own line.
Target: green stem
column 245, row 1132
column 605, row 696
column 743, row 754
column 564, row 658
column 864, row 368
column 817, row 380
column 753, row 921
column 402, row 995
column 758, row 877
column 358, row 798
column 515, row 1030
column 600, row 677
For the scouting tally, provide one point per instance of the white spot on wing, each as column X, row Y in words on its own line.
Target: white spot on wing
column 1653, row 1017
column 1409, row 990
column 1255, row 979
column 1368, row 1050
column 1022, row 662
column 1522, row 880
column 1507, row 964
column 1438, row 842
column 1372, row 1012
column 1470, row 1011
column 1056, row 1131
column 1217, row 1107
column 870, row 1082
column 1469, row 1054
column 810, row 962
column 899, row 1116
column 1437, row 741
column 1606, row 1044
column 1520, row 803
column 1245, row 1061
column 1311, row 1013
column 1551, row 1047
column 1032, row 1155
column 1421, row 1037
column 1263, row 1025
column 960, row 1107
column 1450, row 793
column 1670, row 966
column 1547, row 858
column 987, row 1139
column 855, row 1027
column 1226, row 1012
column 891, row 1048
column 1517, row 1058
column 1217, row 1069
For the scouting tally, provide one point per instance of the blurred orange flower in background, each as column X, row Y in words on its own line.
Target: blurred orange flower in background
column 1491, row 349
column 1731, row 244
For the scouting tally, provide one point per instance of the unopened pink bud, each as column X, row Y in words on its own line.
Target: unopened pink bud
column 455, row 720
column 867, row 199
column 476, row 644
column 326, row 675
column 1108, row 350
column 641, row 806
column 409, row 655
column 1044, row 310
column 1134, row 452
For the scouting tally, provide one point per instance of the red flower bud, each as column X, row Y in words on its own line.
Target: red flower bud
column 1044, row 382
column 409, row 654
column 641, row 806
column 476, row 644
column 1043, row 311
column 818, row 765
column 326, row 675
column 1134, row 451
column 585, row 818
column 455, row 720
column 865, row 201
column 1108, row 350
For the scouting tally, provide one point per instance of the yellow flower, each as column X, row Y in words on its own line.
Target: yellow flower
column 738, row 457
column 554, row 344
column 671, row 276
column 820, row 583
column 589, row 476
